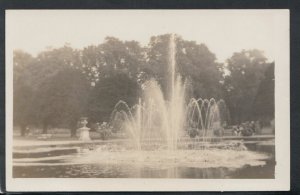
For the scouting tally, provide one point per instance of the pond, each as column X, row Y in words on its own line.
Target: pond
column 258, row 161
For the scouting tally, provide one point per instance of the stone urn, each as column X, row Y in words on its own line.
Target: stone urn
column 84, row 131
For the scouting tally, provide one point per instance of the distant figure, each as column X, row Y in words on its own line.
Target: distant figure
column 237, row 130
column 241, row 129
column 252, row 126
column 246, row 129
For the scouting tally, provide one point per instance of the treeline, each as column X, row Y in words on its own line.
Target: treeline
column 58, row 86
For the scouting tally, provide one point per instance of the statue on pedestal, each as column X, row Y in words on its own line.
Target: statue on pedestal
column 84, row 134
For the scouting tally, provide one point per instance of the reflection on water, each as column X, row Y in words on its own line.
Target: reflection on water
column 44, row 169
column 127, row 171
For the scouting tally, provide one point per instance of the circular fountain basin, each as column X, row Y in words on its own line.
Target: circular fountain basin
column 115, row 160
column 207, row 158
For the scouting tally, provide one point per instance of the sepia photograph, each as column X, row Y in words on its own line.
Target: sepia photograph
column 147, row 96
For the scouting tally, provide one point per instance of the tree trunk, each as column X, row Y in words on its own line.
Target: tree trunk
column 23, row 130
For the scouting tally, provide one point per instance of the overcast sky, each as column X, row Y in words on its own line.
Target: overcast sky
column 224, row 32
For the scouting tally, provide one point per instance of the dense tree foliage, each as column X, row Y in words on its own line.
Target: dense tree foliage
column 106, row 94
column 58, row 86
column 194, row 62
column 23, row 113
column 264, row 103
column 61, row 99
column 198, row 64
column 111, row 57
column 247, row 71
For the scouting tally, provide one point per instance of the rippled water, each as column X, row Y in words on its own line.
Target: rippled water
column 257, row 162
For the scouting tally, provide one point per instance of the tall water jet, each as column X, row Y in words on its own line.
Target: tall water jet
column 172, row 138
column 176, row 98
column 159, row 122
column 172, row 62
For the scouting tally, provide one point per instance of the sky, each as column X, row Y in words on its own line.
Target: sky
column 223, row 31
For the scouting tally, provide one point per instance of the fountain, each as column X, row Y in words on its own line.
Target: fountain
column 155, row 120
column 172, row 135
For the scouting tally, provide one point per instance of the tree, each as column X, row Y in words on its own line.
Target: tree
column 112, row 57
column 59, row 85
column 106, row 94
column 264, row 102
column 62, row 99
column 194, row 62
column 22, row 90
column 247, row 69
column 197, row 63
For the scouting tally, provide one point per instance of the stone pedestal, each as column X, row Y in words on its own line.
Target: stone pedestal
column 84, row 132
